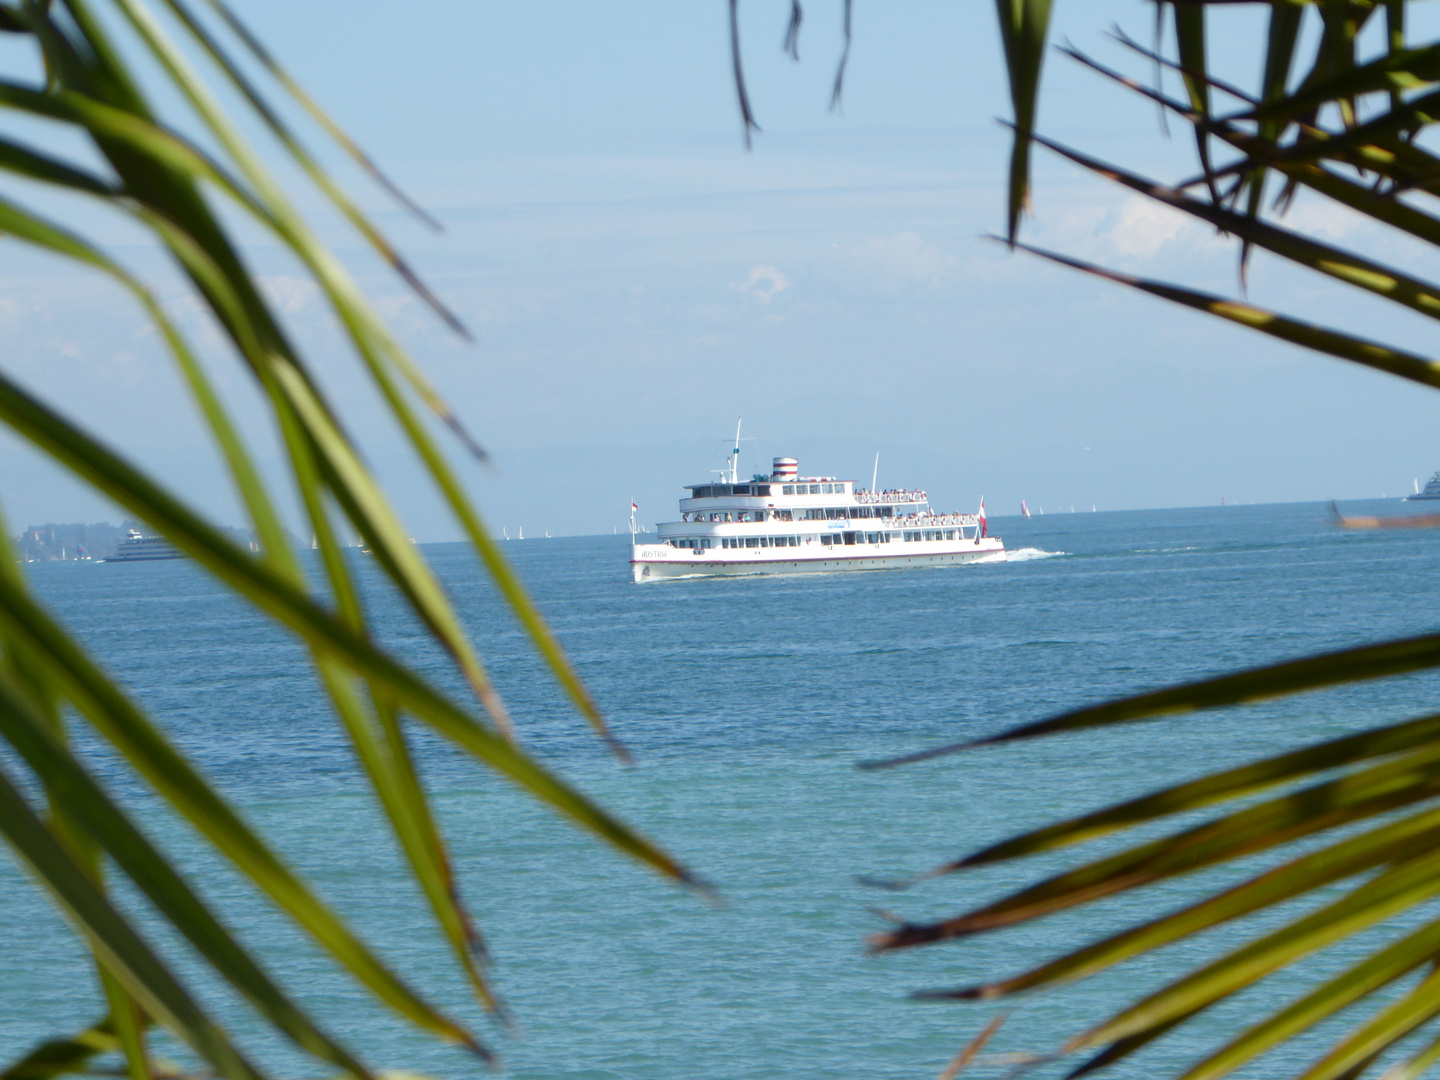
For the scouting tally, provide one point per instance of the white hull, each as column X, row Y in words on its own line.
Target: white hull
column 659, row 562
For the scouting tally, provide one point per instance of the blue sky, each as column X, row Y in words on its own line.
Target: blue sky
column 636, row 280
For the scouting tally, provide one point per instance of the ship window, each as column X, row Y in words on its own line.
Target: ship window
column 911, row 536
column 794, row 541
column 705, row 543
column 764, row 541
column 872, row 538
column 814, row 489
column 741, row 489
column 750, row 542
column 760, row 489
column 825, row 538
column 787, row 489
column 827, row 489
column 949, row 534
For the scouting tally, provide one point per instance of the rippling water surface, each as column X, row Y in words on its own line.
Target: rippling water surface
column 747, row 703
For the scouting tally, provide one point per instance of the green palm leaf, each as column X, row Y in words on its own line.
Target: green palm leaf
column 1367, row 803
column 171, row 185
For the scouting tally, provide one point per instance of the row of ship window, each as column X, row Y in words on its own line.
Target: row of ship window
column 719, row 491
column 818, row 513
column 813, row 489
column 826, row 539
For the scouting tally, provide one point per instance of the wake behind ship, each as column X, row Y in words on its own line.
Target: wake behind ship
column 784, row 523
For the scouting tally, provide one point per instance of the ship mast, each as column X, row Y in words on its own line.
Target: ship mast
column 735, row 457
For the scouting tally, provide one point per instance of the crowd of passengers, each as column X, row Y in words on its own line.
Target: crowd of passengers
column 890, row 495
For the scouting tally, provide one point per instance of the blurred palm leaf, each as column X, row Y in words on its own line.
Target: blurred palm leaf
column 1349, row 125
column 154, row 173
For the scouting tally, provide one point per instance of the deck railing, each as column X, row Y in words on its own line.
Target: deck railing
column 894, row 496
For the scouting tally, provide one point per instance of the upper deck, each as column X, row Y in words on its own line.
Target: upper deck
column 795, row 493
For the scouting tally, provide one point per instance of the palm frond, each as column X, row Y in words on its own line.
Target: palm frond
column 1348, row 129
column 180, row 178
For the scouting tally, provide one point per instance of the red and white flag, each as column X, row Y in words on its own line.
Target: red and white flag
column 633, row 508
column 983, row 527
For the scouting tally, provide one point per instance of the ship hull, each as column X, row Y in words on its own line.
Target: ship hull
column 655, row 562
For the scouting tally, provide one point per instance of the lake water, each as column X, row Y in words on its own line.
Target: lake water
column 747, row 703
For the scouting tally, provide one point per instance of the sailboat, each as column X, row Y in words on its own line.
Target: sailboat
column 522, row 533
column 503, row 533
column 1024, row 510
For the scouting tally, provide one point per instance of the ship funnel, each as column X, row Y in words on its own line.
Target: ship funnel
column 785, row 468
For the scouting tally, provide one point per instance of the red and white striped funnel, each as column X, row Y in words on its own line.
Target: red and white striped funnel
column 785, row 468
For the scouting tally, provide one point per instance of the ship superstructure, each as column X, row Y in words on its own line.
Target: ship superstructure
column 138, row 548
column 784, row 523
column 1431, row 490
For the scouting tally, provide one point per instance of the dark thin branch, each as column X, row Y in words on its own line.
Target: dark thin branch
column 1159, row 68
column 1118, row 34
column 844, row 59
column 747, row 118
column 792, row 32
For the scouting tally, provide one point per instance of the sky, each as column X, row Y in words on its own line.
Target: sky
column 636, row 280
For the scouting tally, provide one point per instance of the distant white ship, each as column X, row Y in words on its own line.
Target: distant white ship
column 1431, row 490
column 137, row 548
column 785, row 523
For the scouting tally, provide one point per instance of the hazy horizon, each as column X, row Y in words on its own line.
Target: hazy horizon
column 636, row 280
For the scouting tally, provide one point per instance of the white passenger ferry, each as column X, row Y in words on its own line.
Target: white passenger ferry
column 785, row 523
column 138, row 548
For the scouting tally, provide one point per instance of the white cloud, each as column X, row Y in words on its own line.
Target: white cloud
column 1142, row 228
column 894, row 262
column 764, row 282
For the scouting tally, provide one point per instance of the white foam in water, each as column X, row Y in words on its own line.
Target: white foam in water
column 1026, row 554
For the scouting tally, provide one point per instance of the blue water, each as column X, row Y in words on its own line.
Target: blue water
column 747, row 703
